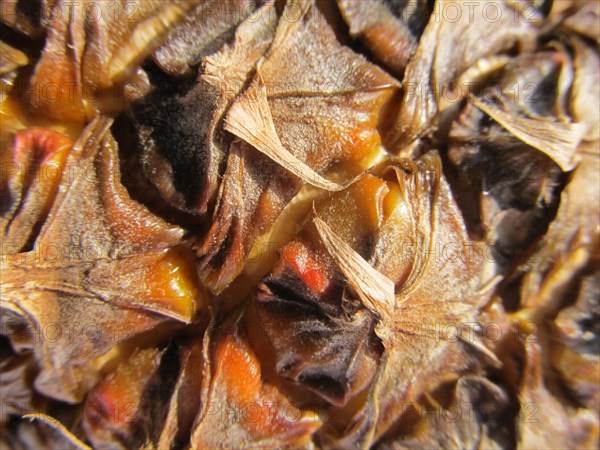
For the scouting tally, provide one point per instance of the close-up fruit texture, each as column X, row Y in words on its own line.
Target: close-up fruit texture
column 337, row 224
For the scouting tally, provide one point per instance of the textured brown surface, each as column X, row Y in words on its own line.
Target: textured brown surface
column 299, row 224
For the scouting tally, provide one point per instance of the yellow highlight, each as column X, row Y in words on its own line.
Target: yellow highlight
column 172, row 282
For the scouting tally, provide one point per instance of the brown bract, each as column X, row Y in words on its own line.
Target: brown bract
column 238, row 408
column 88, row 281
column 11, row 58
column 512, row 142
column 575, row 427
column 420, row 323
column 22, row 16
column 127, row 409
column 471, row 413
column 149, row 400
column 15, row 381
column 446, row 49
column 416, row 329
column 321, row 338
column 206, row 27
column 92, row 47
column 41, row 431
column 391, row 30
column 184, row 146
column 290, row 113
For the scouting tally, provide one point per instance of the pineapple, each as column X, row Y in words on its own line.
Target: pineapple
column 300, row 224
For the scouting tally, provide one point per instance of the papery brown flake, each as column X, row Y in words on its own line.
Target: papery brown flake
column 250, row 119
column 557, row 140
column 375, row 290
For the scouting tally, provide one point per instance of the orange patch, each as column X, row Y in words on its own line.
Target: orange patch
column 116, row 399
column 238, row 370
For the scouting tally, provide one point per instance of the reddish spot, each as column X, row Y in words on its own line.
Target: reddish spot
column 315, row 280
column 305, row 265
column 39, row 143
column 114, row 402
column 39, row 155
